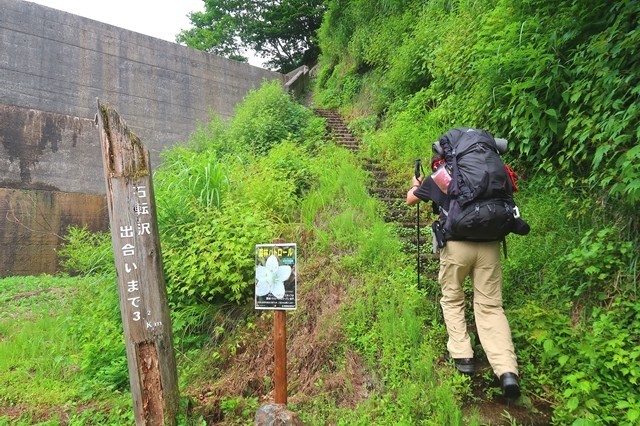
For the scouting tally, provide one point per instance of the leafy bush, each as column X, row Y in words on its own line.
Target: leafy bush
column 213, row 258
column 276, row 182
column 208, row 231
column 589, row 369
column 210, row 136
column 269, row 116
column 602, row 104
column 602, row 256
column 602, row 368
column 534, row 327
column 87, row 253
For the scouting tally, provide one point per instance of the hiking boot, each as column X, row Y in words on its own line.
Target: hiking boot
column 463, row 365
column 510, row 385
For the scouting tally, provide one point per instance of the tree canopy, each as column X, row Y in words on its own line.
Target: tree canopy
column 281, row 31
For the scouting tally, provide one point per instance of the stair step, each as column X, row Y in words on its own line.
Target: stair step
column 386, row 192
column 373, row 167
column 394, row 198
column 375, row 171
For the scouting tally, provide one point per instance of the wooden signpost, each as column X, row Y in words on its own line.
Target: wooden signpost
column 141, row 286
column 276, row 289
column 280, row 356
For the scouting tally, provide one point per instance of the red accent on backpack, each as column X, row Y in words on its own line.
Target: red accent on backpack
column 513, row 176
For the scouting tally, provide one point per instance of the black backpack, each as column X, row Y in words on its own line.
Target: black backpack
column 481, row 206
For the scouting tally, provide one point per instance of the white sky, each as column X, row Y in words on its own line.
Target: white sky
column 162, row 19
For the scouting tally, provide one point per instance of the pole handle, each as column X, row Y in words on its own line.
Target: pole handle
column 417, row 168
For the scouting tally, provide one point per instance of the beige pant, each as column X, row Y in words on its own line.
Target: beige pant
column 480, row 261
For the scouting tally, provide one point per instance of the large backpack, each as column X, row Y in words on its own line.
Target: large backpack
column 481, row 204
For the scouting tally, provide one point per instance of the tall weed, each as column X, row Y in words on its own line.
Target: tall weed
column 87, row 253
column 597, row 381
column 187, row 182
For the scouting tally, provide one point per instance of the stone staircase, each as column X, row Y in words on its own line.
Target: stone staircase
column 394, row 198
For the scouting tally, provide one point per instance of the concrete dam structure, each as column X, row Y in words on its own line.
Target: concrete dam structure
column 53, row 68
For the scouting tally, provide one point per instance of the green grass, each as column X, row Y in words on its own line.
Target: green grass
column 36, row 354
column 40, row 374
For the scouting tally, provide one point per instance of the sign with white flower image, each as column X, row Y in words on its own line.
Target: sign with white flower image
column 276, row 277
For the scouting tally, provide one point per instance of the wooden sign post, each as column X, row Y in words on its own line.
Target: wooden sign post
column 276, row 288
column 280, row 355
column 141, row 286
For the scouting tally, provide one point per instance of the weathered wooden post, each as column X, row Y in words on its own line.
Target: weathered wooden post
column 141, row 286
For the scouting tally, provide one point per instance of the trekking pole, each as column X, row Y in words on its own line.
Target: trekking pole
column 417, row 175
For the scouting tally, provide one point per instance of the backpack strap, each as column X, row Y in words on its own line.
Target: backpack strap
column 450, row 160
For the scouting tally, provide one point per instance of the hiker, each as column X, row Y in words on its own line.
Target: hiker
column 478, row 259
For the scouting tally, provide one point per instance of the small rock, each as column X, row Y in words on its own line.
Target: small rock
column 276, row 415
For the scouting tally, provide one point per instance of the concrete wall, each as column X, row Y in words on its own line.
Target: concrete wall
column 33, row 223
column 52, row 61
column 44, row 150
column 53, row 67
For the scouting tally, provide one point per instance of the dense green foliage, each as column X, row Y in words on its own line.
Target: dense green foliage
column 257, row 193
column 283, row 31
column 229, row 192
column 560, row 81
column 237, row 185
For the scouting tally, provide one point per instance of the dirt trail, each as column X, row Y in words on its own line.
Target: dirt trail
column 488, row 403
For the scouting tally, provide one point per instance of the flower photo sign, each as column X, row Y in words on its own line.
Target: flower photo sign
column 276, row 277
